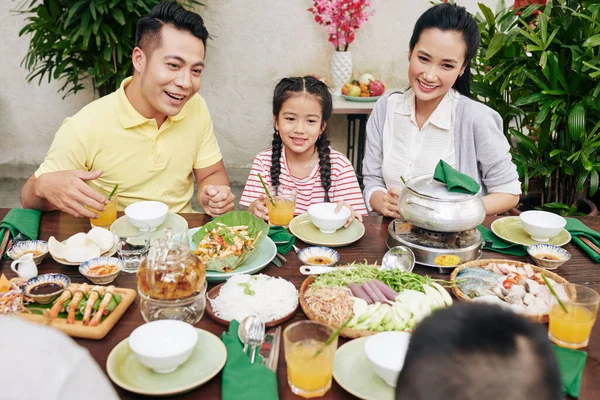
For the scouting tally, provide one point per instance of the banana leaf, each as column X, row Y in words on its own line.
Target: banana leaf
column 256, row 228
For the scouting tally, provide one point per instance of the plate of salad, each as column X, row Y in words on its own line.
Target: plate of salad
column 370, row 299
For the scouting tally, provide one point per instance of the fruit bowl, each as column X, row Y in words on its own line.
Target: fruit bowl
column 367, row 87
column 361, row 99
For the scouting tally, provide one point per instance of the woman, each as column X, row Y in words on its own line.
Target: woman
column 409, row 133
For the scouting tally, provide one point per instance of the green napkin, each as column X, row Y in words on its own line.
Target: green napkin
column 500, row 245
column 23, row 224
column 577, row 228
column 456, row 181
column 282, row 238
column 571, row 363
column 242, row 380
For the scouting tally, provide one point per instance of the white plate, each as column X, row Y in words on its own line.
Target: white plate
column 62, row 261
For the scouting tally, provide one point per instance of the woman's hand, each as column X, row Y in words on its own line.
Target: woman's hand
column 353, row 214
column 259, row 209
column 386, row 203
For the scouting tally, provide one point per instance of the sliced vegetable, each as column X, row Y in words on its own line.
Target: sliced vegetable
column 387, row 291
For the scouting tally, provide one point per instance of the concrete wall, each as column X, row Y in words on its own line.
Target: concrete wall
column 255, row 43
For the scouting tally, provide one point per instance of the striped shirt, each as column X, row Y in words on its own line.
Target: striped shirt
column 344, row 186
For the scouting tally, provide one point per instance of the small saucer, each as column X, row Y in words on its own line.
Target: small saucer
column 207, row 359
column 39, row 248
column 511, row 230
column 303, row 229
column 319, row 255
column 548, row 256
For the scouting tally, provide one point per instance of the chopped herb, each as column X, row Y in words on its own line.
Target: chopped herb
column 247, row 290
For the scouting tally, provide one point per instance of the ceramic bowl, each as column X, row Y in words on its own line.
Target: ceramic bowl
column 163, row 345
column 318, row 255
column 152, row 213
column 386, row 352
column 548, row 256
column 39, row 249
column 60, row 279
column 84, row 269
column 324, row 217
column 542, row 225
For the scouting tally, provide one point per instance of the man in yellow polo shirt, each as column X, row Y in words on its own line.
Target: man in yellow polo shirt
column 149, row 137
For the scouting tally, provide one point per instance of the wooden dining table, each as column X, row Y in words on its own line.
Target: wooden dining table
column 371, row 247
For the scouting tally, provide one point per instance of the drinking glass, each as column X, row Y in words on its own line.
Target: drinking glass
column 282, row 212
column 309, row 375
column 109, row 215
column 132, row 243
column 573, row 328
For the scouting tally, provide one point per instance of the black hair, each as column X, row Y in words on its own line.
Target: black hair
column 451, row 17
column 479, row 351
column 285, row 89
column 147, row 34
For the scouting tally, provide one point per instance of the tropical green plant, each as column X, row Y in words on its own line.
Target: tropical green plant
column 77, row 40
column 541, row 74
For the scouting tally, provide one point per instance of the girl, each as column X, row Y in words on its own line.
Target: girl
column 300, row 156
column 408, row 133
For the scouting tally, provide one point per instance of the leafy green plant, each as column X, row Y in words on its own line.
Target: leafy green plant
column 541, row 74
column 76, row 40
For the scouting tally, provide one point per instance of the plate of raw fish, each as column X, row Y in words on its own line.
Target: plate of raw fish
column 516, row 285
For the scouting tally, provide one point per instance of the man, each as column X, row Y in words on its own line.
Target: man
column 479, row 352
column 148, row 137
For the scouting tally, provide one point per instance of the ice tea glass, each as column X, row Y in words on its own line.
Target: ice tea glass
column 573, row 329
column 132, row 243
column 109, row 215
column 282, row 212
column 309, row 375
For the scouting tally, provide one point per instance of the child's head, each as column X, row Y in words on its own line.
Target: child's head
column 301, row 109
column 479, row 351
column 444, row 41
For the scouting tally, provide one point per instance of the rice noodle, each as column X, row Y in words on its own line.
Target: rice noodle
column 331, row 305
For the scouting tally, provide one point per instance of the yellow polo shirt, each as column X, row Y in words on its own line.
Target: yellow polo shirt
column 148, row 163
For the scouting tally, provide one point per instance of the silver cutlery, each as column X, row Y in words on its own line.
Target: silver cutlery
column 244, row 330
column 255, row 338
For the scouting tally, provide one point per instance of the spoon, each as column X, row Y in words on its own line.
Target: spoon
column 399, row 257
column 314, row 270
column 244, row 329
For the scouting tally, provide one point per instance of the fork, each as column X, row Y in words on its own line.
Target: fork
column 255, row 338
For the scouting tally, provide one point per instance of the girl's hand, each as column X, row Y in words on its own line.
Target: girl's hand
column 259, row 209
column 390, row 203
column 353, row 214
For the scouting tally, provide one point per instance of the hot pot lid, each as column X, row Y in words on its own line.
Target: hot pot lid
column 426, row 186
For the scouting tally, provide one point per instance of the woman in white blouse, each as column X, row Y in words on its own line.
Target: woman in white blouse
column 409, row 133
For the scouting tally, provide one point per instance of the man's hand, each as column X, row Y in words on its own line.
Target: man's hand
column 390, row 203
column 67, row 191
column 216, row 199
column 353, row 214
column 259, row 209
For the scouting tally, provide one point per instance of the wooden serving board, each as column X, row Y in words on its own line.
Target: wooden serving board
column 541, row 318
column 214, row 292
column 89, row 332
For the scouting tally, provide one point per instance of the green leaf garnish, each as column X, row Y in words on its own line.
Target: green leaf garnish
column 247, row 290
column 332, row 337
column 554, row 294
column 264, row 185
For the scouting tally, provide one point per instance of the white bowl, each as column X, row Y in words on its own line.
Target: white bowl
column 386, row 352
column 542, row 225
column 548, row 256
column 324, row 217
column 84, row 269
column 152, row 213
column 163, row 345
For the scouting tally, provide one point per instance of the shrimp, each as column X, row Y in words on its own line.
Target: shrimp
column 83, row 289
column 102, row 309
column 94, row 294
column 66, row 295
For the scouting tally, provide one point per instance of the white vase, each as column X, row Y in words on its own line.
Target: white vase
column 341, row 70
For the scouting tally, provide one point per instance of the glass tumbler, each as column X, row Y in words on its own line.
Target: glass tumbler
column 132, row 243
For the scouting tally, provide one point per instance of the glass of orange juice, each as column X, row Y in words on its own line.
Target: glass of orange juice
column 109, row 215
column 282, row 212
column 309, row 373
column 573, row 328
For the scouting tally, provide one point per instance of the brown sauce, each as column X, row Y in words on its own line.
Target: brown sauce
column 46, row 288
column 102, row 270
column 548, row 257
column 318, row 260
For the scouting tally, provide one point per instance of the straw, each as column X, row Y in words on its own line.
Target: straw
column 113, row 192
column 332, row 337
column 264, row 185
column 554, row 294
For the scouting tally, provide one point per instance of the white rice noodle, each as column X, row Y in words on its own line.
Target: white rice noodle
column 273, row 298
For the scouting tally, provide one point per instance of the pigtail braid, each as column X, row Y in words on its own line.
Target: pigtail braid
column 325, row 163
column 277, row 144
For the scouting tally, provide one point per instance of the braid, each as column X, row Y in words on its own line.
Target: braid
column 277, row 144
column 325, row 163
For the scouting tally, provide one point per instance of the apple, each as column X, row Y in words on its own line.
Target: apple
column 354, row 91
column 366, row 78
column 376, row 87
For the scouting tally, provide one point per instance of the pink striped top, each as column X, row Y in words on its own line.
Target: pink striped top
column 344, row 186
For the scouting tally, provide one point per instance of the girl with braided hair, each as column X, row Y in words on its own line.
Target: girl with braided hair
column 300, row 156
